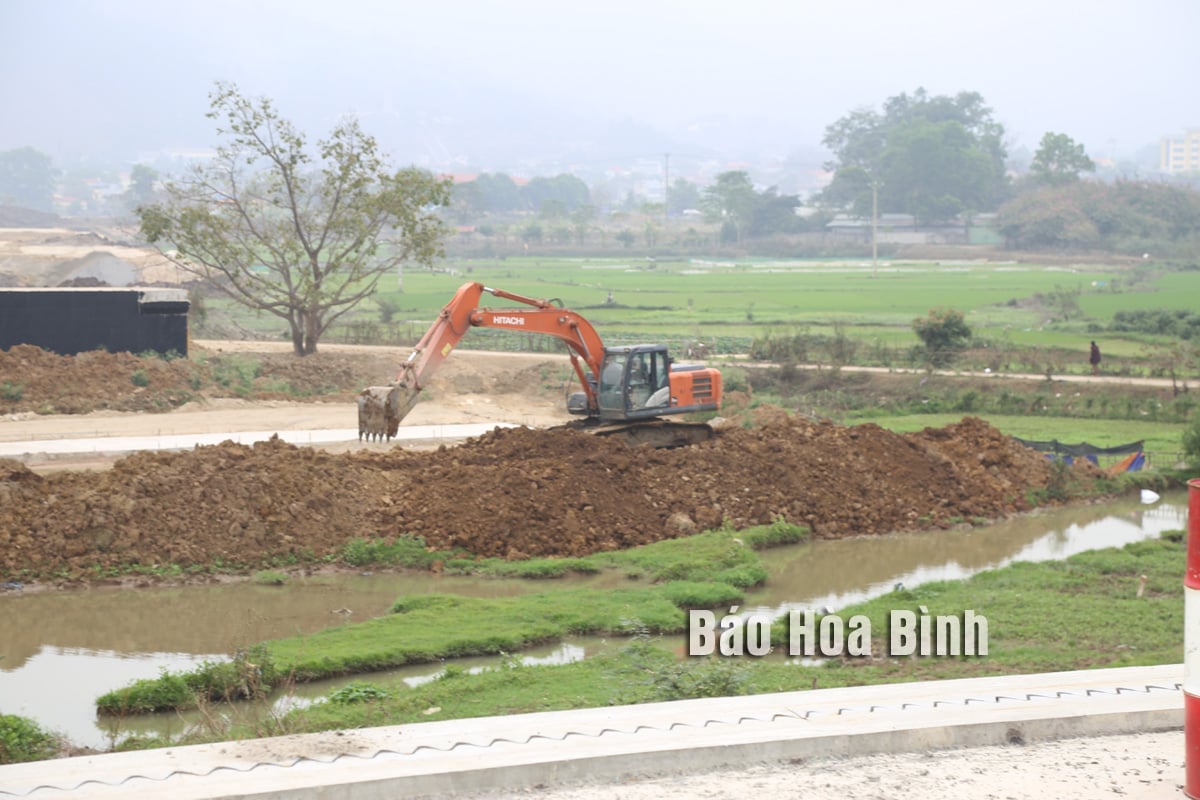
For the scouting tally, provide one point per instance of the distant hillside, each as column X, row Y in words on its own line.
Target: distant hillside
column 17, row 217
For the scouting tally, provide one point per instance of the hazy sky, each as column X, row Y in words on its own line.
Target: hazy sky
column 481, row 83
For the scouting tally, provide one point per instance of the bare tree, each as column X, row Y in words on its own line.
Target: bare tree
column 302, row 233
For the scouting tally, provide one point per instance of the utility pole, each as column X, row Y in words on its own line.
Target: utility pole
column 874, row 224
column 666, row 190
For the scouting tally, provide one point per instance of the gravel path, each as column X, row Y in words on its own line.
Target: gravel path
column 1146, row 766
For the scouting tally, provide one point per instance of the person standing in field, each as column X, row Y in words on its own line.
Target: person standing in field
column 1094, row 359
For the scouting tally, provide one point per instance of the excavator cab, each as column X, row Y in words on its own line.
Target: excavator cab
column 635, row 382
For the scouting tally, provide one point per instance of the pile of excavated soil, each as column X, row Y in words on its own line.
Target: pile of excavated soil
column 40, row 381
column 511, row 493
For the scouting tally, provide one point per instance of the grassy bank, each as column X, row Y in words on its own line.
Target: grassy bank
column 1084, row 612
column 1081, row 613
column 703, row 571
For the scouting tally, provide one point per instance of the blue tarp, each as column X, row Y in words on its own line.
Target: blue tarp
column 1135, row 456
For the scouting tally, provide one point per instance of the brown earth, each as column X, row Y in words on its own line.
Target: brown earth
column 511, row 493
column 43, row 395
column 35, row 380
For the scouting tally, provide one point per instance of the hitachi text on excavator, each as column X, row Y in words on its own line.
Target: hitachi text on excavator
column 627, row 391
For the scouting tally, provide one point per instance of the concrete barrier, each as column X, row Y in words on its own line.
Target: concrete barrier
column 493, row 754
column 1191, row 645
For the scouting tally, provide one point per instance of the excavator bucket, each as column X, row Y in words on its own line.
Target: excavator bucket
column 380, row 409
column 400, row 401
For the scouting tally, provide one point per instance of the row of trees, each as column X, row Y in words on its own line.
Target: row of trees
column 745, row 212
column 498, row 193
column 929, row 156
column 731, row 200
column 933, row 157
column 1132, row 217
column 29, row 179
column 936, row 157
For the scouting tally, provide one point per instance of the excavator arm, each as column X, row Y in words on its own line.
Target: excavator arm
column 381, row 408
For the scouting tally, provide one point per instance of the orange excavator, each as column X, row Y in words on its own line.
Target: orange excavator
column 626, row 390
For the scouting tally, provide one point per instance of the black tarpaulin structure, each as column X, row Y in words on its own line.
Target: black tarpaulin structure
column 69, row 321
column 1083, row 448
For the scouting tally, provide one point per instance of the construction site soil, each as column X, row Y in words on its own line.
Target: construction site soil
column 511, row 493
column 37, row 381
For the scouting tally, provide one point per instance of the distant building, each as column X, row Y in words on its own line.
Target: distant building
column 1178, row 156
column 904, row 229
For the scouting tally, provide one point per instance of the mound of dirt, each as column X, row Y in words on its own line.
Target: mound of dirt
column 43, row 382
column 46, row 383
column 511, row 493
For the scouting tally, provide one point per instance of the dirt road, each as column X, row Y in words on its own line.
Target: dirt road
column 473, row 386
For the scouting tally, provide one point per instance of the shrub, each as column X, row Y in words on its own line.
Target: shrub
column 696, row 594
column 944, row 332
column 389, row 306
column 235, row 372
column 1191, row 443
column 404, row 551
column 358, row 692
column 270, row 577
column 250, row 675
column 779, row 532
column 168, row 691
column 22, row 740
column 663, row 679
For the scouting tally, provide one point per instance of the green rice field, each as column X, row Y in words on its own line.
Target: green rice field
column 730, row 303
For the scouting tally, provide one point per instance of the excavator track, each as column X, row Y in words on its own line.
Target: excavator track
column 657, row 433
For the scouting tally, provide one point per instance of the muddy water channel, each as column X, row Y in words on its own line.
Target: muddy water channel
column 60, row 650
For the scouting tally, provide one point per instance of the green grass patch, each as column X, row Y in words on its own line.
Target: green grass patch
column 723, row 556
column 422, row 629
column 671, row 299
column 431, row 627
column 1080, row 613
column 708, row 570
column 403, row 551
column 1076, row 614
column 270, row 577
column 22, row 740
column 1031, row 316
